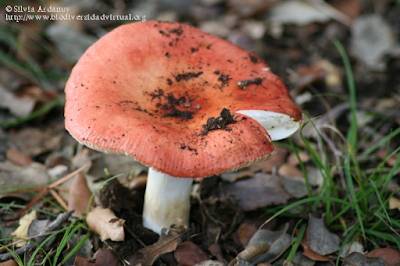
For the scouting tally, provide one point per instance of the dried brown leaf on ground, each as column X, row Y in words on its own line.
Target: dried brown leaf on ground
column 294, row 161
column 79, row 196
column 79, row 261
column 106, row 224
column 210, row 263
column 101, row 257
column 245, row 233
column 35, row 141
column 311, row 254
column 9, row 263
column 22, row 230
column 373, row 41
column 390, row 255
column 394, row 203
column 105, row 257
column 265, row 246
column 261, row 190
column 19, row 107
column 252, row 252
column 351, row 8
column 266, row 167
column 18, row 158
column 292, row 180
column 216, row 251
column 300, row 260
column 279, row 242
column 148, row 255
column 188, row 253
column 350, row 248
column 358, row 259
column 297, row 12
column 320, row 240
column 12, row 175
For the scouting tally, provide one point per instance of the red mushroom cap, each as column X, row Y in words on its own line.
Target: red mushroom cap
column 149, row 89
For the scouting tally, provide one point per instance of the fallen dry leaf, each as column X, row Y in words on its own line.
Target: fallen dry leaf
column 13, row 175
column 38, row 94
column 249, row 253
column 105, row 257
column 259, row 191
column 240, row 262
column 18, row 158
column 389, row 255
column 351, row 8
column 278, row 247
column 320, row 240
column 148, row 255
column 215, row 250
column 245, row 232
column 188, row 253
column 106, row 224
column 34, row 141
column 350, row 248
column 22, row 230
column 300, row 260
column 79, row 195
column 293, row 160
column 390, row 161
column 38, row 226
column 394, row 203
column 17, row 106
column 266, row 167
column 297, row 12
column 289, row 171
column 9, row 263
column 266, row 246
column 307, row 252
column 138, row 182
column 305, row 76
column 210, row 263
column 79, row 261
column 292, row 180
column 358, row 259
column 373, row 51
column 265, row 236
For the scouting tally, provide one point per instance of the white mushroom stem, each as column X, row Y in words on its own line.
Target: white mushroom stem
column 279, row 126
column 166, row 199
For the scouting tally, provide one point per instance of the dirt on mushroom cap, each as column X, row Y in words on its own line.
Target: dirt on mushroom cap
column 147, row 89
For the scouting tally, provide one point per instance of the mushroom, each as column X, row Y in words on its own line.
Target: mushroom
column 128, row 95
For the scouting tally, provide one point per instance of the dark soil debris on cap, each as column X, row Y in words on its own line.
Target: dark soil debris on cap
column 187, row 76
column 177, row 31
column 171, row 105
column 224, row 79
column 253, row 59
column 220, row 122
column 184, row 115
column 157, row 94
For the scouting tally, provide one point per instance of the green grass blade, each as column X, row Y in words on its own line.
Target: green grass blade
column 351, row 137
column 45, row 109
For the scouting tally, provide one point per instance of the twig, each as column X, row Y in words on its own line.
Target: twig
column 62, row 217
column 48, row 188
column 242, row 84
column 58, row 198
